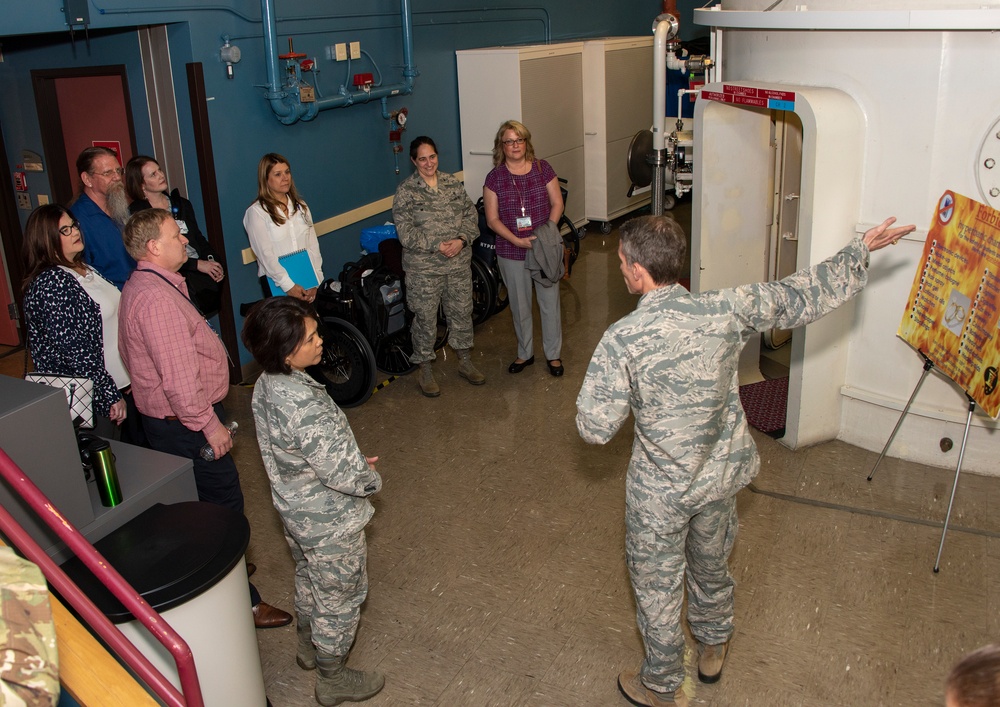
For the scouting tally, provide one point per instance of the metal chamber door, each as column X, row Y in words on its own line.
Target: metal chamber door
column 786, row 135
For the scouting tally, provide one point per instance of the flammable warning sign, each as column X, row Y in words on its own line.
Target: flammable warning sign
column 952, row 313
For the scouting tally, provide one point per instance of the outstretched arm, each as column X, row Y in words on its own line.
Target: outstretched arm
column 880, row 236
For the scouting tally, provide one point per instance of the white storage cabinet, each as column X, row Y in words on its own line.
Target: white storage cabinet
column 617, row 101
column 538, row 85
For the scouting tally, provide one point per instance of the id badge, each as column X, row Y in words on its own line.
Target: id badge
column 524, row 223
column 181, row 224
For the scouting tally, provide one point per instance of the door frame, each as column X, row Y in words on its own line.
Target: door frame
column 62, row 175
column 11, row 236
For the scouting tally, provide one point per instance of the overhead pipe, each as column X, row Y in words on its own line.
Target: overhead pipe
column 287, row 106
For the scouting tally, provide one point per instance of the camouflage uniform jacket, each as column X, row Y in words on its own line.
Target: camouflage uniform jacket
column 673, row 362
column 29, row 657
column 425, row 218
column 319, row 478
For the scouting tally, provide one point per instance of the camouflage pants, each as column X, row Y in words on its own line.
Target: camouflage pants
column 697, row 553
column 331, row 583
column 424, row 292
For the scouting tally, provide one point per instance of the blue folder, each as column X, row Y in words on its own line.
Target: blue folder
column 299, row 267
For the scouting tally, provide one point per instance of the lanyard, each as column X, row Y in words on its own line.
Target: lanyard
column 191, row 301
column 520, row 196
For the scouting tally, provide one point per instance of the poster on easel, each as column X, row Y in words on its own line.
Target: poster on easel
column 952, row 312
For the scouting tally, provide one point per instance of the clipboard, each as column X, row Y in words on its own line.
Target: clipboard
column 299, row 267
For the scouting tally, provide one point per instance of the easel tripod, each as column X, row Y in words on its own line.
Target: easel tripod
column 928, row 365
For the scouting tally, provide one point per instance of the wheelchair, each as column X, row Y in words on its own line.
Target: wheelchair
column 365, row 327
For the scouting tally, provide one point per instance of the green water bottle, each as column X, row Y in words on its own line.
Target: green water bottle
column 103, row 461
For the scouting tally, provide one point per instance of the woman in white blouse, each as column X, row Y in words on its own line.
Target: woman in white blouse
column 279, row 223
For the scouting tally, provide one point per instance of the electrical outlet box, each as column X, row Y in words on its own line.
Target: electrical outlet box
column 355, row 50
column 341, row 50
column 77, row 12
column 24, row 201
column 43, row 199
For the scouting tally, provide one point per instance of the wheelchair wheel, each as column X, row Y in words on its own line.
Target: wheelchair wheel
column 571, row 240
column 347, row 368
column 484, row 294
column 393, row 353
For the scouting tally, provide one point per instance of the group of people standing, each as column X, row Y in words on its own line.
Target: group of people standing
column 436, row 222
column 671, row 364
column 320, row 480
column 122, row 300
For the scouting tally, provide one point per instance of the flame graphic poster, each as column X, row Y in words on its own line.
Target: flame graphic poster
column 952, row 312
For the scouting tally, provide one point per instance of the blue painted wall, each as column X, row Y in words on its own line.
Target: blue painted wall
column 342, row 159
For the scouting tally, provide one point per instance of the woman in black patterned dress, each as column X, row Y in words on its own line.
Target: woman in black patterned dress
column 72, row 314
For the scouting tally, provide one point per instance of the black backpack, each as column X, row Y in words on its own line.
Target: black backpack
column 377, row 295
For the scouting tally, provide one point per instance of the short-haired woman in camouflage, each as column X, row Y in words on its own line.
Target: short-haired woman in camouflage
column 320, row 484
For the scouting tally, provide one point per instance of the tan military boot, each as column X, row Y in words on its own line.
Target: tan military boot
column 636, row 692
column 467, row 370
column 710, row 660
column 336, row 683
column 425, row 377
column 305, row 656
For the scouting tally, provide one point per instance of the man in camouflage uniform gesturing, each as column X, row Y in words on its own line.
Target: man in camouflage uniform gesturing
column 673, row 362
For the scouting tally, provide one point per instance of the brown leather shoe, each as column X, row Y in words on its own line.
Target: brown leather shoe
column 267, row 616
column 251, row 568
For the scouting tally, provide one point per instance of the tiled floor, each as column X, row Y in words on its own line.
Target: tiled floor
column 497, row 565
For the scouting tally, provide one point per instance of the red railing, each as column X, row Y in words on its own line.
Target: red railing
column 116, row 584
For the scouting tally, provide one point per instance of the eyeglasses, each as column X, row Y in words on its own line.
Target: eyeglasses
column 107, row 173
column 68, row 230
column 511, row 143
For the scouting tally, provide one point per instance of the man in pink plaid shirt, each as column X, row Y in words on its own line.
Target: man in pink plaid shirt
column 178, row 368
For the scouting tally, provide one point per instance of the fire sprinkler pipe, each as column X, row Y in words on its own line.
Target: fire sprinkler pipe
column 286, row 105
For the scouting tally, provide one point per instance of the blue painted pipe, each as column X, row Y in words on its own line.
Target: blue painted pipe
column 289, row 109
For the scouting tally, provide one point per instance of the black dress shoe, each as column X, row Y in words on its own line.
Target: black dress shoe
column 555, row 369
column 251, row 568
column 518, row 367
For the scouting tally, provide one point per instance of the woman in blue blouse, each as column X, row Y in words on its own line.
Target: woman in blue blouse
column 72, row 313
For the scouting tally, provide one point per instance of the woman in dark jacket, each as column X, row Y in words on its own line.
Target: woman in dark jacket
column 146, row 186
column 72, row 312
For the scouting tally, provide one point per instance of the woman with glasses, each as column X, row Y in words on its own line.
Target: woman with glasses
column 522, row 197
column 146, row 185
column 279, row 223
column 72, row 316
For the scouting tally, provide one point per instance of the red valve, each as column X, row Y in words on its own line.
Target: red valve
column 362, row 80
column 307, row 65
column 292, row 54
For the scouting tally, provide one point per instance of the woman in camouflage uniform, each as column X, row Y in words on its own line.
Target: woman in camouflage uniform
column 436, row 222
column 320, row 484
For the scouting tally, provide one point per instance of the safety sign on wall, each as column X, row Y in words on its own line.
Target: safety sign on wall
column 952, row 312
